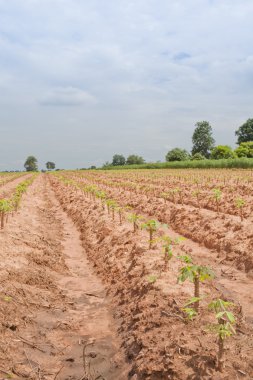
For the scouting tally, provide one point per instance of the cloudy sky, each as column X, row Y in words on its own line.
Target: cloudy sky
column 81, row 80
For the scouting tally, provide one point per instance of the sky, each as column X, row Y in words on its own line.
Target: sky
column 82, row 80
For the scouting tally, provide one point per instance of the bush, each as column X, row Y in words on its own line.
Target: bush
column 197, row 157
column 177, row 154
column 245, row 149
column 134, row 160
column 222, row 152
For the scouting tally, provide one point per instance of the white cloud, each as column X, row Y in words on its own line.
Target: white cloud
column 138, row 72
column 67, row 96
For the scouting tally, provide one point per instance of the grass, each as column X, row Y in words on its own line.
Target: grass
column 240, row 163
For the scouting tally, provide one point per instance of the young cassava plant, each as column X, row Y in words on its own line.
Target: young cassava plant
column 240, row 204
column 196, row 274
column 224, row 326
column 151, row 226
column 135, row 219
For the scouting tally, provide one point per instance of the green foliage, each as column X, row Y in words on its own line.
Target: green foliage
column 167, row 244
column 31, row 164
column 195, row 274
column 219, row 305
column 134, row 160
column 238, row 163
column 197, row 157
column 225, row 318
column 240, row 203
column 185, row 258
column 152, row 279
column 151, row 226
column 202, row 139
column 217, row 194
column 177, row 154
column 118, row 160
column 5, row 205
column 245, row 132
column 50, row 165
column 222, row 152
column 190, row 312
column 134, row 218
column 245, row 149
column 191, row 272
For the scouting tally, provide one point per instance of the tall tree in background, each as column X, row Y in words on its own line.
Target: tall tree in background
column 202, row 139
column 50, row 165
column 31, row 164
column 118, row 160
column 245, row 132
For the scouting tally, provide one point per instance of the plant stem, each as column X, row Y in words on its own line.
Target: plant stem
column 196, row 292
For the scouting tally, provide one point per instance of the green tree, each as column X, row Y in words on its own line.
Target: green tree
column 177, row 154
column 118, row 160
column 31, row 164
column 245, row 149
column 222, row 151
column 50, row 165
column 197, row 157
column 134, row 160
column 202, row 139
column 245, row 132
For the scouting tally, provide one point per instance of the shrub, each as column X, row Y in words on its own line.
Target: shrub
column 177, row 154
column 222, row 151
column 245, row 149
column 197, row 157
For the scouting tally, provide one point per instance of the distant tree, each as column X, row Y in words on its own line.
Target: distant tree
column 197, row 157
column 50, row 165
column 31, row 164
column 118, row 160
column 177, row 154
column 134, row 159
column 93, row 167
column 202, row 139
column 245, row 149
column 245, row 132
column 106, row 164
column 222, row 151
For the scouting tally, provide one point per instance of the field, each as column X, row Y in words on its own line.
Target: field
column 127, row 274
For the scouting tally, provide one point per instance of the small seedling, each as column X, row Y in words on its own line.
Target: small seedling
column 240, row 203
column 217, row 194
column 151, row 226
column 168, row 242
column 196, row 194
column 135, row 219
column 5, row 207
column 152, row 279
column 224, row 326
column 195, row 274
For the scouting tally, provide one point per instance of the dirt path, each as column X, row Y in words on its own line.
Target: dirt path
column 55, row 316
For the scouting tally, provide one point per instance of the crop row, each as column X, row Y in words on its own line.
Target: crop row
column 11, row 204
column 234, row 198
column 188, row 270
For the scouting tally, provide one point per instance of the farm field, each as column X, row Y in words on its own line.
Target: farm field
column 137, row 274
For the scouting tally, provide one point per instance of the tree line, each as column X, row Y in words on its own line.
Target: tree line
column 203, row 147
